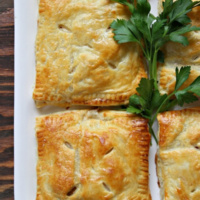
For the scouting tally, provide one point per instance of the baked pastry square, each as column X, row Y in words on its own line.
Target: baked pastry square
column 178, row 157
column 90, row 155
column 176, row 55
column 78, row 61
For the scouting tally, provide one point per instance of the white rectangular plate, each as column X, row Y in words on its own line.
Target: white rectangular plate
column 25, row 111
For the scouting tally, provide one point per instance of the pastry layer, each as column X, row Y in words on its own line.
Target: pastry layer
column 77, row 59
column 176, row 55
column 178, row 157
column 90, row 154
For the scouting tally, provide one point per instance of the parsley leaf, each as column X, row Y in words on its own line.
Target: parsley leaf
column 122, row 32
column 176, row 36
column 194, row 87
column 185, row 97
column 182, row 76
column 145, row 90
column 132, row 109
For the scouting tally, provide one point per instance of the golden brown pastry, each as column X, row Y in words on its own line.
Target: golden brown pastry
column 92, row 155
column 178, row 157
column 77, row 59
column 176, row 55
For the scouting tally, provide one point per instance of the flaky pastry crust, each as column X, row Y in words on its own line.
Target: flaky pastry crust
column 178, row 157
column 176, row 55
column 77, row 59
column 90, row 154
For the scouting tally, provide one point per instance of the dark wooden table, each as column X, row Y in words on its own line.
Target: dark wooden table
column 6, row 99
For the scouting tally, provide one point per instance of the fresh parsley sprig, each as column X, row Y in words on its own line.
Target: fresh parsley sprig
column 149, row 102
column 151, row 33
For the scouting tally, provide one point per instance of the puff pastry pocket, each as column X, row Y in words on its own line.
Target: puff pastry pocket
column 78, row 61
column 176, row 55
column 178, row 157
column 90, row 155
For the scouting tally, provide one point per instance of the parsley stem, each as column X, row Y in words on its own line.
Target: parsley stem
column 159, row 109
column 154, row 66
column 152, row 133
column 153, row 69
column 151, row 121
column 143, row 50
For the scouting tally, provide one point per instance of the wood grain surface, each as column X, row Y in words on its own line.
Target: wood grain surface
column 6, row 99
